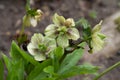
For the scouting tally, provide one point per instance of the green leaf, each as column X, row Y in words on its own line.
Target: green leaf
column 81, row 69
column 41, row 76
column 38, row 69
column 17, row 53
column 15, row 69
column 59, row 52
column 49, row 69
column 49, row 79
column 1, row 70
column 56, row 55
column 7, row 62
column 82, row 44
column 83, row 22
column 70, row 60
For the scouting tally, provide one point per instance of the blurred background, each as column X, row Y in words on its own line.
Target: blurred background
column 12, row 11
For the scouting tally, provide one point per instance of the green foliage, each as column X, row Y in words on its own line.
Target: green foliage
column 56, row 57
column 1, row 70
column 49, row 69
column 93, row 14
column 38, row 70
column 21, row 62
column 16, row 53
column 15, row 69
column 80, row 69
column 70, row 60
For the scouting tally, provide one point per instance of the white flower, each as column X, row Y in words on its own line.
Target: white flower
column 30, row 19
column 40, row 46
column 62, row 29
column 97, row 41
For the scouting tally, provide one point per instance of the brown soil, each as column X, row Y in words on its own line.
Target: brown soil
column 12, row 11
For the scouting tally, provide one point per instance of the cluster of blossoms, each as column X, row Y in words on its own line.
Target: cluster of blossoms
column 58, row 34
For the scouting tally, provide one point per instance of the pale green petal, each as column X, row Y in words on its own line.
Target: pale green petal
column 102, row 36
column 32, row 49
column 63, row 41
column 73, row 34
column 51, row 34
column 50, row 31
column 26, row 21
column 40, row 57
column 58, row 20
column 70, row 22
column 33, row 22
column 37, row 38
column 50, row 27
column 97, row 43
column 97, row 27
column 50, row 43
column 38, row 15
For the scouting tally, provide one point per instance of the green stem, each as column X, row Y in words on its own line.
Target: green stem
column 28, row 5
column 21, row 33
column 107, row 70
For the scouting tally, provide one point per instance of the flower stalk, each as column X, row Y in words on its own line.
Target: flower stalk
column 107, row 70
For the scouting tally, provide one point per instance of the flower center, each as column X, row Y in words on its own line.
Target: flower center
column 42, row 47
column 62, row 29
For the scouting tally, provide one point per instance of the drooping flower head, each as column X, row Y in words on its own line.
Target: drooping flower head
column 40, row 46
column 32, row 17
column 97, row 41
column 62, row 29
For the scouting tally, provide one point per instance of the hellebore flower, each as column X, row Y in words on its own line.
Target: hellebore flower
column 62, row 29
column 32, row 17
column 41, row 46
column 97, row 41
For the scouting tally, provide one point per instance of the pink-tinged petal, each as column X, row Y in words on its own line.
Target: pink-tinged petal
column 33, row 50
column 73, row 34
